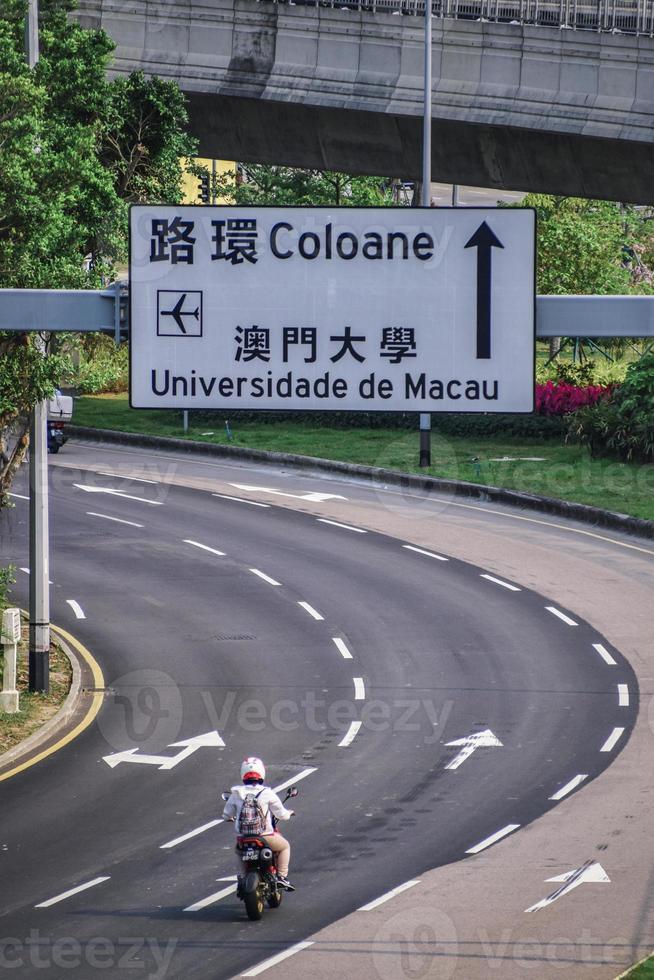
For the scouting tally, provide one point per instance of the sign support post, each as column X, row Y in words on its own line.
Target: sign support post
column 39, row 643
column 425, row 418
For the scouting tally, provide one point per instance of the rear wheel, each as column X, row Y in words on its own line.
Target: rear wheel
column 275, row 898
column 254, row 904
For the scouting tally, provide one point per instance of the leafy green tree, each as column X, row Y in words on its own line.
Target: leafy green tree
column 75, row 150
column 262, row 184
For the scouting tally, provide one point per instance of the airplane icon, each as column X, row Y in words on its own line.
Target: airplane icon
column 179, row 314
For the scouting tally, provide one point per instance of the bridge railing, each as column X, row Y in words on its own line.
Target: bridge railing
column 616, row 16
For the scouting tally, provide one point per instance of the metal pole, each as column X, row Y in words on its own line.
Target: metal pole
column 39, row 640
column 213, row 182
column 455, row 195
column 425, row 417
column 185, row 420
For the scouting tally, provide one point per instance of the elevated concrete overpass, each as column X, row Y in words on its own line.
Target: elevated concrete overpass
column 515, row 105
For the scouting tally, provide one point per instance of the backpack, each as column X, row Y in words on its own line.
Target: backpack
column 251, row 819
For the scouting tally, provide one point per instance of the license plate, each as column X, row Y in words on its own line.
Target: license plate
column 250, row 854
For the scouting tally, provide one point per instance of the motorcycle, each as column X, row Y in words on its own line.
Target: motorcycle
column 60, row 411
column 56, row 436
column 258, row 885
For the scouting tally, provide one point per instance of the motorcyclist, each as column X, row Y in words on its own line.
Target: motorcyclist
column 253, row 774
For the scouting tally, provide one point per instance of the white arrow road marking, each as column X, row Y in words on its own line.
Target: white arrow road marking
column 388, row 895
column 568, row 788
column 77, row 609
column 591, row 871
column 278, row 958
column 312, row 495
column 167, row 762
column 478, row 740
column 118, row 493
column 210, row 899
column 71, row 892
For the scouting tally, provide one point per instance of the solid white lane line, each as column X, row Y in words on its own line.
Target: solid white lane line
column 359, row 689
column 205, row 547
column 604, row 654
column 346, row 527
column 137, row 479
column 266, row 578
column 310, row 610
column 561, row 616
column 498, row 581
column 388, row 895
column 240, row 500
column 191, row 833
column 19, row 496
column 421, row 551
column 351, row 734
column 493, row 838
column 71, row 892
column 278, row 958
column 612, row 739
column 210, row 899
column 77, row 609
column 568, row 788
column 623, row 696
column 294, row 779
column 118, row 520
column 343, row 650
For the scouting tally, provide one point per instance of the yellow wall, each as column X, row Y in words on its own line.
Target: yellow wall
column 190, row 183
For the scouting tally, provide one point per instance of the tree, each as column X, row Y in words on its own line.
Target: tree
column 260, row 184
column 75, row 151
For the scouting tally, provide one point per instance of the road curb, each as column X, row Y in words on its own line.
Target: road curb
column 57, row 722
column 547, row 505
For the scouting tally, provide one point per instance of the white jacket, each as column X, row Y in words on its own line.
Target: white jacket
column 267, row 799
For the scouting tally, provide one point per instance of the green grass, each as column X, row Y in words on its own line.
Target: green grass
column 565, row 471
column 35, row 709
column 643, row 972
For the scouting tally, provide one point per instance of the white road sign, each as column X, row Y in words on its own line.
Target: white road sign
column 393, row 309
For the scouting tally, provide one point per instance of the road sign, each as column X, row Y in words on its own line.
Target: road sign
column 402, row 309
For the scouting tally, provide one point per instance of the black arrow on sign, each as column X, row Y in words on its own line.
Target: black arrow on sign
column 484, row 240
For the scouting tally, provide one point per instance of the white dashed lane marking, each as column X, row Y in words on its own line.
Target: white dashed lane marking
column 562, row 616
column 240, row 500
column 604, row 654
column 568, row 788
column 205, row 547
column 345, row 527
column 71, row 892
column 341, row 647
column 612, row 740
column 210, row 899
column 190, row 834
column 310, row 610
column 623, row 696
column 77, row 609
column 350, row 735
column 498, row 581
column 278, row 958
column 493, row 839
column 386, row 897
column 118, row 520
column 421, row 551
column 266, row 578
column 359, row 689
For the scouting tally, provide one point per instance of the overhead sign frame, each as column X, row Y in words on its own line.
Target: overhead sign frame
column 316, row 278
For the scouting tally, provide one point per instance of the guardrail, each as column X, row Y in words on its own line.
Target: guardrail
column 611, row 16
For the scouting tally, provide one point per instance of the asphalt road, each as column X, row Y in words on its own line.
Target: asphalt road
column 191, row 642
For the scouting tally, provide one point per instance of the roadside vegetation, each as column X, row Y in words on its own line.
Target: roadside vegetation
column 35, row 709
column 643, row 972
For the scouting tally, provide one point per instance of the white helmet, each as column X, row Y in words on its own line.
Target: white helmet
column 253, row 768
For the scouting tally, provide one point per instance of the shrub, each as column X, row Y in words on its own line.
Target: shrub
column 623, row 424
column 561, row 399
